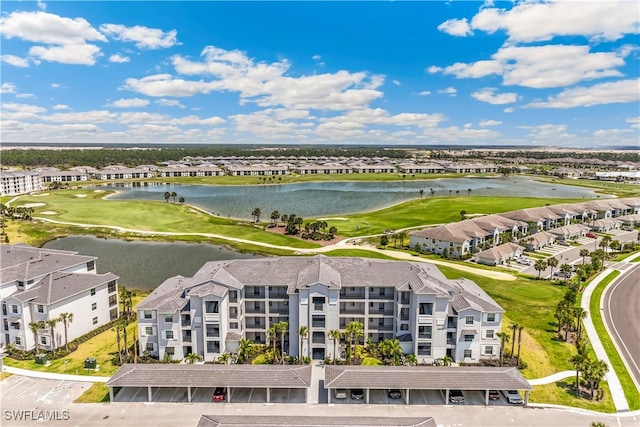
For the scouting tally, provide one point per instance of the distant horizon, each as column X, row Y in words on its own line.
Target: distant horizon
column 520, row 74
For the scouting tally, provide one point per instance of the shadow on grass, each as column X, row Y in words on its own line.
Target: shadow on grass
column 570, row 389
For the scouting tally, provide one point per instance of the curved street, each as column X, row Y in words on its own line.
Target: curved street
column 621, row 311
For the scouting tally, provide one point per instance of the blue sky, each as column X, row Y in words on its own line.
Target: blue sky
column 562, row 74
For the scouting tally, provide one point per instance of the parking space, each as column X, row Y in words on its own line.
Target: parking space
column 204, row 395
column 18, row 389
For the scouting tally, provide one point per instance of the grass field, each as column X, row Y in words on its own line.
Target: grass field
column 603, row 187
column 630, row 390
column 562, row 393
column 97, row 393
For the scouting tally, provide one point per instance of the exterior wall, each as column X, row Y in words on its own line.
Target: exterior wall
column 14, row 183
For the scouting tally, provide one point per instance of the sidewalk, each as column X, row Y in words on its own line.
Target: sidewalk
column 619, row 399
column 553, row 378
column 52, row 376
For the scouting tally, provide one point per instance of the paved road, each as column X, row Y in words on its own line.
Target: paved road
column 621, row 304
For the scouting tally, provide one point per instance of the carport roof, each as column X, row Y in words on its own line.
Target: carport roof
column 425, row 377
column 294, row 421
column 207, row 375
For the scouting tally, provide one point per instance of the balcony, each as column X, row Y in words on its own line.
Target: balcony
column 279, row 310
column 381, row 295
column 254, row 310
column 451, row 341
column 255, row 325
column 252, row 292
column 382, row 312
column 376, row 327
column 185, row 321
column 352, row 294
column 357, row 308
column 278, row 293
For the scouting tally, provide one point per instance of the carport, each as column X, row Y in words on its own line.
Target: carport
column 192, row 377
column 407, row 378
column 309, row 421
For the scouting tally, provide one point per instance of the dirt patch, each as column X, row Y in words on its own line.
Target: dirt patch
column 280, row 230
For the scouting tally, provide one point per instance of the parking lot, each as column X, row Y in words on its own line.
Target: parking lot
column 420, row 397
column 204, row 394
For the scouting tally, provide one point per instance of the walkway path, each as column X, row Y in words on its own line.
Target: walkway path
column 54, row 376
column 553, row 378
column 617, row 393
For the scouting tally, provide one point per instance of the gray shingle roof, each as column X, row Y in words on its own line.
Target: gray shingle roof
column 325, row 421
column 207, row 375
column 425, row 377
column 59, row 286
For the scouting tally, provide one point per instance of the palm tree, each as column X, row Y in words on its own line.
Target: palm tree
column 566, row 271
column 52, row 325
column 393, row 350
column 354, row 330
column 192, row 358
column 578, row 361
column 553, row 263
column 432, row 191
column 606, row 241
column 124, row 336
column 520, row 328
column 462, row 214
column 245, row 349
column 167, row 196
column 275, row 216
column 118, row 327
column 468, row 192
column 594, row 373
column 273, row 335
column 303, row 332
column 282, row 328
column 540, row 266
column 256, row 214
column 421, row 193
column 514, row 327
column 504, row 339
column 335, row 335
column 35, row 327
column 174, row 195
column 579, row 313
column 181, row 200
column 450, row 191
column 66, row 318
column 224, row 358
column 457, row 193
column 584, row 253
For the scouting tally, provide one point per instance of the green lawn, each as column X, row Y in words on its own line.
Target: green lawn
column 602, row 187
column 97, row 393
column 630, row 390
column 563, row 393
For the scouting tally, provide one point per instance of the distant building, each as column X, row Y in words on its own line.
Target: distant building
column 15, row 183
column 40, row 284
column 413, row 302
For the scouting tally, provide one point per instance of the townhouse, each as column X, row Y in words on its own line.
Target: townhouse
column 15, row 183
column 40, row 284
column 226, row 301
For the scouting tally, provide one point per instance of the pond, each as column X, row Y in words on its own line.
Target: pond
column 323, row 199
column 145, row 265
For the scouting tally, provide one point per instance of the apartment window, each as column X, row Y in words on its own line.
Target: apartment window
column 168, row 335
column 404, row 327
column 491, row 317
column 149, row 347
column 213, row 331
column 426, row 308
column 467, row 354
column 14, row 309
column 95, row 320
column 468, row 338
column 233, row 296
column 94, row 306
column 468, row 320
column 18, row 341
column 211, row 307
column 424, row 332
column 318, row 303
column 168, row 318
column 20, row 285
column 43, row 340
column 93, row 291
column 489, row 333
column 213, row 346
column 488, row 350
column 148, row 330
column 317, row 338
column 317, row 321
column 91, row 265
column 424, row 349
column 113, row 314
column 40, row 308
column 233, row 325
column 111, row 286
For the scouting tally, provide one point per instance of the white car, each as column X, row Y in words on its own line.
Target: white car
column 523, row 261
column 513, row 397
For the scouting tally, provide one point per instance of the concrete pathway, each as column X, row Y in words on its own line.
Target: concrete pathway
column 54, row 376
column 553, row 378
column 617, row 393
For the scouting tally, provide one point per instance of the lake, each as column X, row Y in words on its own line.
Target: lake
column 145, row 265
column 326, row 199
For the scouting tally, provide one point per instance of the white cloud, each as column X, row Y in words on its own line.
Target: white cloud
column 65, row 38
column 542, row 66
column 489, row 95
column 425, row 93
column 130, row 103
column 395, row 82
column 604, row 93
column 539, row 21
column 95, row 116
column 60, row 107
column 57, row 85
column 169, row 103
column 15, row 111
column 549, row 134
column 450, row 91
column 316, row 57
column 8, row 88
column 456, row 27
column 16, row 61
column 143, row 37
column 508, row 110
column 488, row 123
column 119, row 59
column 25, row 95
column 261, row 83
column 635, row 122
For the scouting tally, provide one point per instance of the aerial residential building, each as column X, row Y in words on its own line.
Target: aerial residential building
column 413, row 302
column 40, row 284
column 14, row 183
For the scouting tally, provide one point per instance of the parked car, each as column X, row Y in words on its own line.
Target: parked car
column 219, row 394
column 394, row 393
column 560, row 273
column 591, row 235
column 523, row 261
column 456, row 396
column 513, row 397
column 340, row 393
column 563, row 243
column 494, row 395
column 357, row 393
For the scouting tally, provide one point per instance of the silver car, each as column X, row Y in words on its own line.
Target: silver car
column 513, row 397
